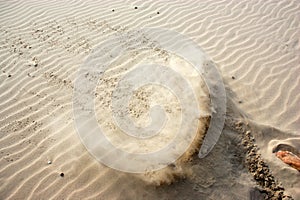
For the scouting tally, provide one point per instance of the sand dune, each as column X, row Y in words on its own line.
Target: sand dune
column 255, row 45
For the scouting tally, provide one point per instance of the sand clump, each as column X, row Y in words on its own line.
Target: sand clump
column 269, row 186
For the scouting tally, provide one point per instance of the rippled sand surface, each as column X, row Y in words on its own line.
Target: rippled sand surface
column 254, row 44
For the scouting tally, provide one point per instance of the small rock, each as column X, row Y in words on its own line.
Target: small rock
column 135, row 7
column 9, row 76
column 62, row 174
column 233, row 77
column 113, row 10
column 49, row 162
column 157, row 12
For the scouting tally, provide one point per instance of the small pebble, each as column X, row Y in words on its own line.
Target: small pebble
column 233, row 77
column 113, row 10
column 157, row 12
column 135, row 7
column 240, row 101
column 9, row 76
column 62, row 174
column 49, row 162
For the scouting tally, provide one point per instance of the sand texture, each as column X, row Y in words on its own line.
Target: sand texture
column 254, row 44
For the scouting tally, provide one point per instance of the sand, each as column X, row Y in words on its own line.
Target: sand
column 254, row 44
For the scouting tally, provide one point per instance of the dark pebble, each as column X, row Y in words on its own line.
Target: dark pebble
column 157, row 12
column 9, row 76
column 135, row 7
column 240, row 101
column 62, row 174
column 233, row 77
column 113, row 10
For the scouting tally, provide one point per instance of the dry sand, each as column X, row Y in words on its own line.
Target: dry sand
column 255, row 45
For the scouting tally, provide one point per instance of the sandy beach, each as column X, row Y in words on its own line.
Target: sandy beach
column 255, row 45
